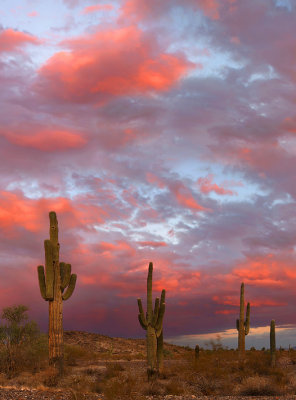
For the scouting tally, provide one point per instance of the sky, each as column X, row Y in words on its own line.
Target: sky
column 158, row 131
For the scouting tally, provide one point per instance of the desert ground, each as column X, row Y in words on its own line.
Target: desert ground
column 101, row 367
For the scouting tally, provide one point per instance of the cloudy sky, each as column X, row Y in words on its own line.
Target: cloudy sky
column 158, row 131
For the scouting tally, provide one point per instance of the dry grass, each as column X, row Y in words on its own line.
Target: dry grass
column 123, row 374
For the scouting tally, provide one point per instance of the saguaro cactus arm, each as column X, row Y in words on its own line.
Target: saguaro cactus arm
column 70, row 288
column 65, row 271
column 41, row 278
column 141, row 316
column 155, row 312
column 237, row 324
column 158, row 325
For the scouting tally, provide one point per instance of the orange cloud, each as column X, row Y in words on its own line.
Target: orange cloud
column 18, row 211
column 113, row 62
column 11, row 40
column 185, row 198
column 111, row 250
column 265, row 270
column 234, row 301
column 97, row 7
column 47, row 139
column 206, row 186
column 226, row 312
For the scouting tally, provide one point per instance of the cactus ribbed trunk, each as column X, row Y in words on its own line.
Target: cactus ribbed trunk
column 53, row 280
column 55, row 306
column 152, row 323
column 160, row 352
column 151, row 351
column 272, row 343
column 55, row 330
column 241, row 330
column 243, row 326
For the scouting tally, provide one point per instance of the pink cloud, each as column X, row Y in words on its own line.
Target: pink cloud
column 142, row 9
column 18, row 211
column 109, row 63
column 185, row 198
column 47, row 139
column 206, row 186
column 97, row 7
column 33, row 14
column 266, row 270
column 12, row 40
column 151, row 178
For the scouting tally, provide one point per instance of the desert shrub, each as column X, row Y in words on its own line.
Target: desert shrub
column 35, row 355
column 120, row 388
column 49, row 377
column 19, row 339
column 113, row 370
column 167, row 353
column 174, row 387
column 215, row 345
column 153, row 389
column 257, row 386
column 75, row 353
column 206, row 386
column 97, row 387
column 258, row 362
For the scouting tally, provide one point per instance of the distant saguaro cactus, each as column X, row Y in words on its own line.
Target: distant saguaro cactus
column 52, row 283
column 243, row 326
column 196, row 354
column 272, row 343
column 152, row 323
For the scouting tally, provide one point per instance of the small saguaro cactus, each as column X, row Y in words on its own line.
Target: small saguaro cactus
column 272, row 343
column 243, row 326
column 56, row 284
column 196, row 354
column 152, row 323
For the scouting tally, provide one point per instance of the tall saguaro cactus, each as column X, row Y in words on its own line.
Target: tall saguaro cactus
column 152, row 323
column 272, row 343
column 159, row 353
column 243, row 326
column 56, row 284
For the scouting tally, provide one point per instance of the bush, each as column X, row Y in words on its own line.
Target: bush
column 74, row 353
column 21, row 345
column 257, row 386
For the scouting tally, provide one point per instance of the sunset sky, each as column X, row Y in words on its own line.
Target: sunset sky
column 159, row 131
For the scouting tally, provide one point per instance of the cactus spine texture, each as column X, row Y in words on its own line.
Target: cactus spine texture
column 243, row 326
column 272, row 342
column 52, row 283
column 152, row 323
